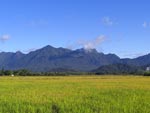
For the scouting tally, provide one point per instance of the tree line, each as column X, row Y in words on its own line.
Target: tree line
column 24, row 72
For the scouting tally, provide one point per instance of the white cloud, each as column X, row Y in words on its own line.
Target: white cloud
column 87, row 44
column 145, row 24
column 107, row 21
column 4, row 37
column 92, row 43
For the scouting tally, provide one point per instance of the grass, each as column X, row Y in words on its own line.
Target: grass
column 75, row 94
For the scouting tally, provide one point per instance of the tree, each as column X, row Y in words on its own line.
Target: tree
column 8, row 72
column 147, row 73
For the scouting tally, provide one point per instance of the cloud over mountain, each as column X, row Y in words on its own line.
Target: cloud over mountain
column 92, row 43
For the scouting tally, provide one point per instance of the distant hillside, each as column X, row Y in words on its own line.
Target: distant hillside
column 140, row 61
column 118, row 69
column 60, row 59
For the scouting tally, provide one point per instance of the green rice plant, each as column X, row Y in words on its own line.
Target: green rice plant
column 75, row 94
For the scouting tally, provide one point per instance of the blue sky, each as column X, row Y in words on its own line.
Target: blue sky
column 111, row 26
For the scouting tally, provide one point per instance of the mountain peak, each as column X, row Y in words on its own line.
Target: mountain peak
column 87, row 50
column 91, row 50
column 48, row 46
column 19, row 52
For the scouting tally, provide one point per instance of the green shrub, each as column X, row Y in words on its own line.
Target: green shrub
column 147, row 73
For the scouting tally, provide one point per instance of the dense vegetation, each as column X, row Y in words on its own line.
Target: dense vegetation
column 24, row 72
column 147, row 73
column 75, row 94
column 117, row 69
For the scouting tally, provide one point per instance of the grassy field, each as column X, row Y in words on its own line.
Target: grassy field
column 75, row 94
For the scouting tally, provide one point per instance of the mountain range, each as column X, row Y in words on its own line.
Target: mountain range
column 48, row 59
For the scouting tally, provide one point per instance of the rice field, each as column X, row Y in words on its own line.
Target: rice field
column 75, row 94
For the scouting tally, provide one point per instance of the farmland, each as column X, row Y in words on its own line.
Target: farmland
column 75, row 94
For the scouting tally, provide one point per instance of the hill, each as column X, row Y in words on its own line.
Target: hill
column 118, row 69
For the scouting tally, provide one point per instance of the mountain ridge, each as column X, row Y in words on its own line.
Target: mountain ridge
column 50, row 58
